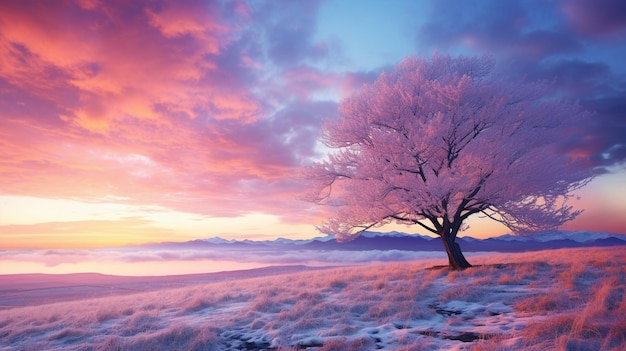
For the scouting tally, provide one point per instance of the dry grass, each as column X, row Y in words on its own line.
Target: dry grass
column 562, row 300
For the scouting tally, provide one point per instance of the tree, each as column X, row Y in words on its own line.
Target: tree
column 438, row 140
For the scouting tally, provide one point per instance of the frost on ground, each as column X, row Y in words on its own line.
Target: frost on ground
column 571, row 299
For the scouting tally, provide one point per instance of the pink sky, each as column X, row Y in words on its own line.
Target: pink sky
column 128, row 122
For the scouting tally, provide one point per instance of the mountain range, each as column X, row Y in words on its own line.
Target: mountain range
column 416, row 242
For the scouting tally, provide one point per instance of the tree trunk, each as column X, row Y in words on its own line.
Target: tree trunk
column 456, row 260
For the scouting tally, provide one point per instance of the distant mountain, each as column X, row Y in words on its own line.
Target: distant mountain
column 505, row 243
column 545, row 236
column 393, row 234
column 542, row 241
column 578, row 236
column 415, row 242
column 218, row 240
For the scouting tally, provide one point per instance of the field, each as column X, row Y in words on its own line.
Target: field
column 569, row 299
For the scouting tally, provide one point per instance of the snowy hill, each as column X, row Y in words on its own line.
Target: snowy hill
column 529, row 303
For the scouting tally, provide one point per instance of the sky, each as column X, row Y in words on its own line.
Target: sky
column 127, row 122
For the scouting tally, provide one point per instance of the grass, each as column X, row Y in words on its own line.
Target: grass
column 571, row 299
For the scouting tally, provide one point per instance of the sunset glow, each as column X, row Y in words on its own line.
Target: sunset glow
column 124, row 123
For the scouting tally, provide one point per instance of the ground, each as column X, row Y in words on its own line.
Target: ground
column 571, row 299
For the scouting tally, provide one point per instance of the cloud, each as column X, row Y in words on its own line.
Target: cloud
column 607, row 139
column 504, row 27
column 109, row 60
column 201, row 107
column 191, row 18
column 597, row 18
column 568, row 43
column 288, row 31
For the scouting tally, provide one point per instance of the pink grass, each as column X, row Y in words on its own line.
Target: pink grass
column 560, row 300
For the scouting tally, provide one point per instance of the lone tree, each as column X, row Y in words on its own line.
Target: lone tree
column 438, row 140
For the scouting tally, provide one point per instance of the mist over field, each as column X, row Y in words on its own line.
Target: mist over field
column 566, row 299
column 216, row 254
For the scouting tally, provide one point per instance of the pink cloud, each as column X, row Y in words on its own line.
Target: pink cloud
column 190, row 18
column 120, row 61
column 165, row 104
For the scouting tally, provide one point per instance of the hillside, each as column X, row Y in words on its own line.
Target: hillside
column 568, row 299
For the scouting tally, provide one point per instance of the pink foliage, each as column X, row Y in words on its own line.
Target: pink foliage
column 437, row 140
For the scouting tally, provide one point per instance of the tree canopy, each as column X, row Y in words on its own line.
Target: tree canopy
column 440, row 139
